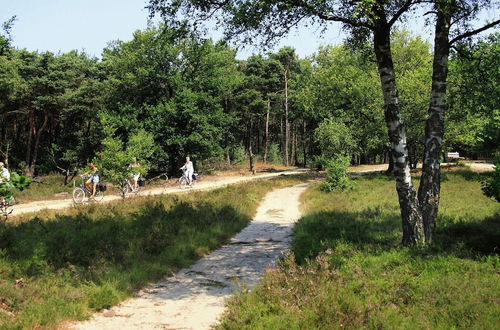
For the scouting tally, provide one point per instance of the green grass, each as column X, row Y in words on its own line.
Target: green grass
column 348, row 270
column 66, row 264
column 45, row 188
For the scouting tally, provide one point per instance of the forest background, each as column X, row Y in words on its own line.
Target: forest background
column 194, row 97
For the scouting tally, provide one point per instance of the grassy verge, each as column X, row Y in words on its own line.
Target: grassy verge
column 45, row 188
column 65, row 265
column 347, row 269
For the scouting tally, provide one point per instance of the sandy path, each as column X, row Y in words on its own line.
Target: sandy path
column 194, row 297
column 202, row 185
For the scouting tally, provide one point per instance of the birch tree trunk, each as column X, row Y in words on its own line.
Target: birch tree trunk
column 429, row 189
column 410, row 214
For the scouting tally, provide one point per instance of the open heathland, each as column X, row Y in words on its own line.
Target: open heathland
column 66, row 265
column 347, row 269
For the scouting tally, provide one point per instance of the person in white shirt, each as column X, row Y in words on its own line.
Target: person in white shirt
column 189, row 168
column 4, row 173
column 135, row 172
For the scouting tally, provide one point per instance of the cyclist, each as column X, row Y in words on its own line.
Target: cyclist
column 135, row 173
column 92, row 182
column 5, row 174
column 4, row 177
column 189, row 169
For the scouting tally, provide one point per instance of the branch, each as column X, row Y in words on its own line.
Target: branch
column 327, row 17
column 461, row 53
column 402, row 10
column 474, row 32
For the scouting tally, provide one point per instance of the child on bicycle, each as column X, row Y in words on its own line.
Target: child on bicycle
column 92, row 182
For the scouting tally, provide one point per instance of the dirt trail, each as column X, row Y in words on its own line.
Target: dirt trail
column 194, row 297
column 202, row 185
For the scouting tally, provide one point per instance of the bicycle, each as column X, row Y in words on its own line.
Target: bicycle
column 183, row 181
column 5, row 204
column 127, row 187
column 80, row 192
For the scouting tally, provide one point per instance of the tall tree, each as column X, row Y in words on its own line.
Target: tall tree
column 245, row 19
column 272, row 19
column 451, row 26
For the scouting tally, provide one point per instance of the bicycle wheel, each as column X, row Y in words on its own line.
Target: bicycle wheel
column 138, row 190
column 78, row 195
column 99, row 195
column 11, row 201
column 182, row 182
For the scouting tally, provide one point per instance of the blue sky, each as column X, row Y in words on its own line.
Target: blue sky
column 63, row 25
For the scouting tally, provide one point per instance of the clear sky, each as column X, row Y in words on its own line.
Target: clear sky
column 63, row 25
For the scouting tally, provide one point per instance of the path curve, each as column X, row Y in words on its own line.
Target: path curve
column 194, row 297
column 202, row 185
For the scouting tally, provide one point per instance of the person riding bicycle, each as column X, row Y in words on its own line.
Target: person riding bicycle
column 189, row 170
column 4, row 173
column 92, row 182
column 134, row 172
column 4, row 177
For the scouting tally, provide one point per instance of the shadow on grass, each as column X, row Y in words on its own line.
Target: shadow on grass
column 188, row 229
column 374, row 231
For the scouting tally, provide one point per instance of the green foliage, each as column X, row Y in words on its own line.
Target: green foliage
column 334, row 138
column 274, row 154
column 239, row 155
column 336, row 144
column 473, row 117
column 115, row 158
column 346, row 272
column 336, row 175
column 17, row 182
column 491, row 186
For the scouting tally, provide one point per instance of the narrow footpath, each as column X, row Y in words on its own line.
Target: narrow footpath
column 202, row 185
column 194, row 298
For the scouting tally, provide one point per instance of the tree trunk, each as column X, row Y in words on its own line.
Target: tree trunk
column 250, row 151
column 292, row 150
column 250, row 159
column 287, row 124
column 31, row 129
column 266, row 138
column 32, row 163
column 410, row 214
column 304, row 145
column 428, row 192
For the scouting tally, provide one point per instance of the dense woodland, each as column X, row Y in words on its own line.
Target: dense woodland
column 197, row 99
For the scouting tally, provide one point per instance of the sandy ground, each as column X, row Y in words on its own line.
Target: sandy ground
column 194, row 298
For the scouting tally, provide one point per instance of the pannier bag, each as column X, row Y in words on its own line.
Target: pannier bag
column 102, row 187
column 141, row 182
column 195, row 176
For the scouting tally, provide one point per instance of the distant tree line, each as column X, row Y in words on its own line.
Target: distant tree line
column 195, row 98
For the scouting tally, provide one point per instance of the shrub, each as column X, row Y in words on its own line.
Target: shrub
column 336, row 176
column 239, row 155
column 274, row 154
column 491, row 186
